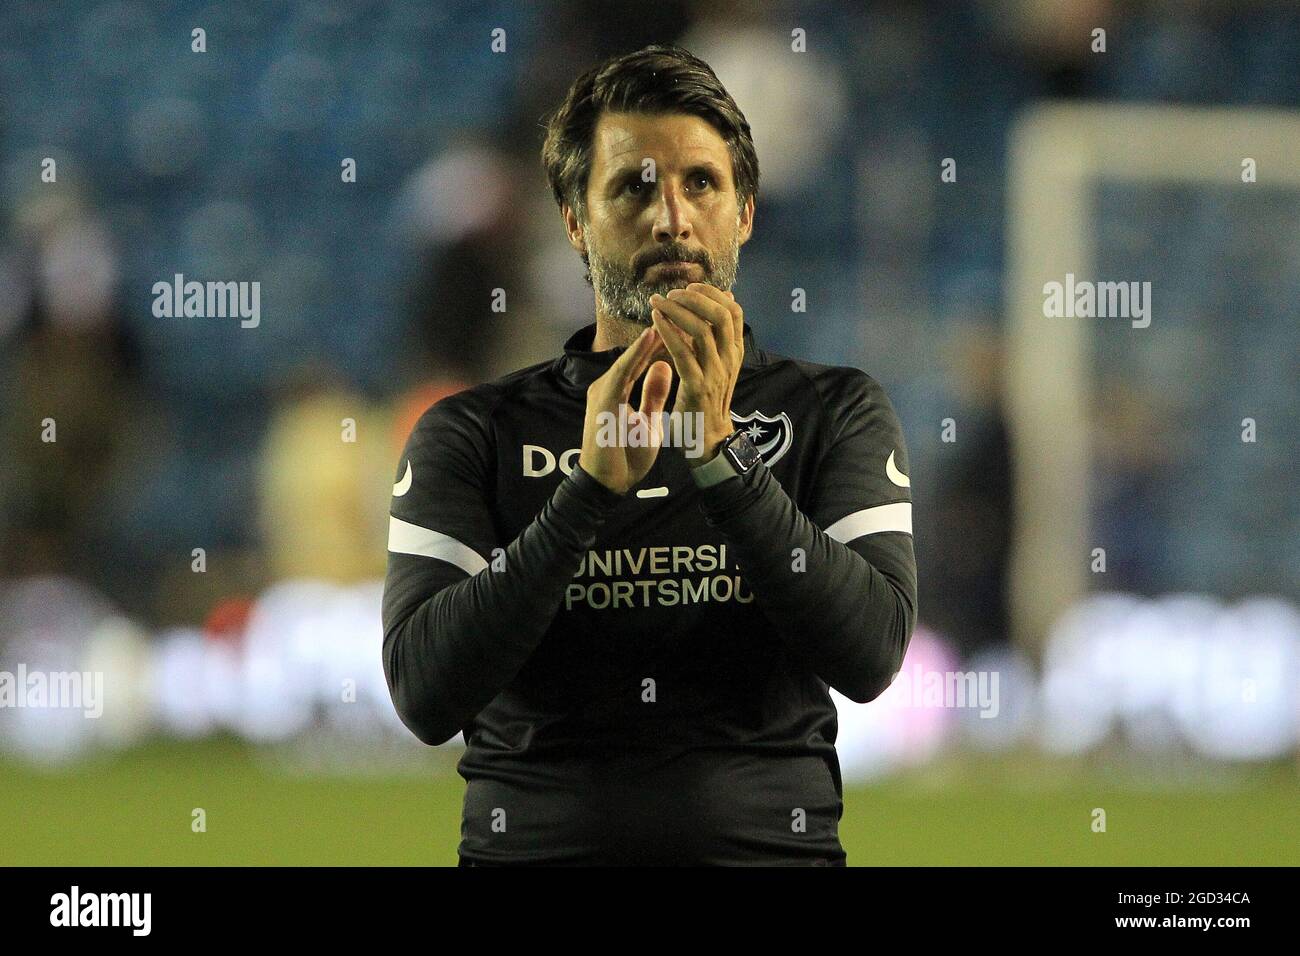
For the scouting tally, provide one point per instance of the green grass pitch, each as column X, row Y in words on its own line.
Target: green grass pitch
column 134, row 808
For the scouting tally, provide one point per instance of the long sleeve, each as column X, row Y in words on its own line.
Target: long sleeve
column 839, row 584
column 456, row 630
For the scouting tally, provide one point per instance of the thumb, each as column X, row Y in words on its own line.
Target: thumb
column 654, row 395
column 654, row 390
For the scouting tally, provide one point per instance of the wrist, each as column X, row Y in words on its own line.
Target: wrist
column 592, row 487
column 711, row 447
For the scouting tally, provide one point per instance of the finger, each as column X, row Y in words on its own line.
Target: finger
column 724, row 299
column 716, row 307
column 627, row 367
column 654, row 396
column 709, row 303
column 738, row 328
column 655, row 388
column 735, row 316
column 701, row 330
column 679, row 347
column 648, row 346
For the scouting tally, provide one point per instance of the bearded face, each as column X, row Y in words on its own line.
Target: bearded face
column 660, row 211
column 623, row 290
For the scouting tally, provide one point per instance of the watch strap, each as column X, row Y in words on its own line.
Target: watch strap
column 726, row 464
column 716, row 471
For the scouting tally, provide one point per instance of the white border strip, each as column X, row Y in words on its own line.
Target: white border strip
column 407, row 538
column 895, row 517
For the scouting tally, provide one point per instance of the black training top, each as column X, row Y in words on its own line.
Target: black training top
column 642, row 678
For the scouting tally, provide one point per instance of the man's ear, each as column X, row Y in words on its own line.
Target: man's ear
column 574, row 229
column 747, row 220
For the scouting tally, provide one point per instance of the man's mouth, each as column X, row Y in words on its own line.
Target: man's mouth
column 675, row 265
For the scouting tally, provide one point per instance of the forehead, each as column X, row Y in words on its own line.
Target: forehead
column 671, row 139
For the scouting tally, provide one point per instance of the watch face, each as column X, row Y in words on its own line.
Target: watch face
column 743, row 453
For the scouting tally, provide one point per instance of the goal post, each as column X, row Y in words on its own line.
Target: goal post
column 1057, row 154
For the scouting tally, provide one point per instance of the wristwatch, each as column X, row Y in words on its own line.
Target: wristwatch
column 735, row 458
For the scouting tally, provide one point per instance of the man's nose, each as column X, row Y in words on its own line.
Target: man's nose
column 672, row 215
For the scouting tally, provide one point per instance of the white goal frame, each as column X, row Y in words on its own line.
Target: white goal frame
column 1056, row 153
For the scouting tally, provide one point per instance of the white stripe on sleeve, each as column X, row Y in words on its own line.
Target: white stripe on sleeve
column 407, row 538
column 895, row 517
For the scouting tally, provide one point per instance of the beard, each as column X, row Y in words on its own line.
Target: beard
column 623, row 294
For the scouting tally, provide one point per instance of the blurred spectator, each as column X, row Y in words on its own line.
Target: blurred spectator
column 964, row 551
column 69, row 402
column 325, row 478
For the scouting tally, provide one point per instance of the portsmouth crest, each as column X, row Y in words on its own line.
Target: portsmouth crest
column 772, row 435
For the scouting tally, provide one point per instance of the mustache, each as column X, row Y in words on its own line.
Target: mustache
column 673, row 254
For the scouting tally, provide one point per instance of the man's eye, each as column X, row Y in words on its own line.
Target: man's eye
column 701, row 180
column 635, row 187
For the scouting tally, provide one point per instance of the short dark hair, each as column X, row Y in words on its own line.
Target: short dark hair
column 661, row 78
